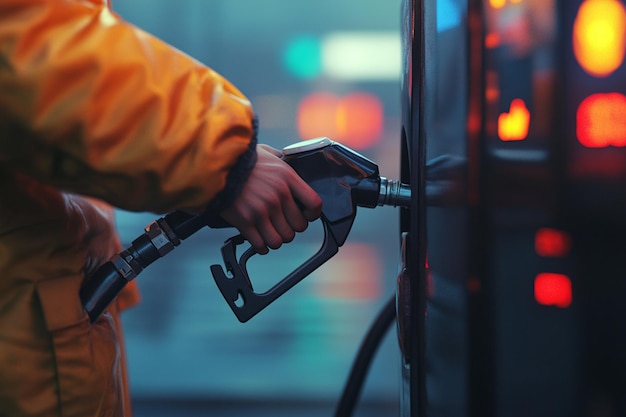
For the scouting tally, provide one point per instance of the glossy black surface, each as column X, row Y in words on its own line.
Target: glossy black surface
column 477, row 338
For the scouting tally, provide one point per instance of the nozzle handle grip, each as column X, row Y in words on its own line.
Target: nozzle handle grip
column 237, row 288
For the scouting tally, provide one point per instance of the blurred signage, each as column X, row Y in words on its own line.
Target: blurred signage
column 514, row 124
column 599, row 36
column 601, row 120
column 553, row 289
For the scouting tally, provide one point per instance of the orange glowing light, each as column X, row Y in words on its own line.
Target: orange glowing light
column 552, row 243
column 601, row 121
column 316, row 115
column 514, row 124
column 356, row 120
column 492, row 40
column 599, row 37
column 553, row 289
column 497, row 4
column 360, row 119
column 360, row 269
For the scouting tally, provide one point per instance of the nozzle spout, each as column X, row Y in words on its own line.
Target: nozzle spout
column 394, row 193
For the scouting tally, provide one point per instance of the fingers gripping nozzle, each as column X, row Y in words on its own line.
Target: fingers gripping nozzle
column 344, row 180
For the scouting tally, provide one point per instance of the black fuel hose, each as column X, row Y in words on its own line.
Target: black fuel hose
column 363, row 360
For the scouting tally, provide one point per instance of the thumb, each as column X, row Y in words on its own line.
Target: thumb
column 271, row 150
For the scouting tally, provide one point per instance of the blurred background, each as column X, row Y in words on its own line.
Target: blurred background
column 311, row 68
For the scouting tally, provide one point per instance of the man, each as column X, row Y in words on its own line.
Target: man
column 92, row 106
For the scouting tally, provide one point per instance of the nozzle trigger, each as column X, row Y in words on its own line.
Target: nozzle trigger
column 237, row 287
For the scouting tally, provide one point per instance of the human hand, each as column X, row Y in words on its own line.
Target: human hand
column 266, row 212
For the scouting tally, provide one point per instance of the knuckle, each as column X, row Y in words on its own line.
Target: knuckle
column 273, row 202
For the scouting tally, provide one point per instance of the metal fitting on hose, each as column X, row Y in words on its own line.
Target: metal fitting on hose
column 126, row 265
column 161, row 240
column 394, row 193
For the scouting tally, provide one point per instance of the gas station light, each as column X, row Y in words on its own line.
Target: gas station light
column 362, row 56
column 350, row 56
column 599, row 37
column 601, row 120
column 553, row 289
column 552, row 243
column 492, row 40
column 448, row 14
column 497, row 4
column 360, row 119
column 303, row 57
column 316, row 115
column 356, row 120
column 359, row 266
column 514, row 124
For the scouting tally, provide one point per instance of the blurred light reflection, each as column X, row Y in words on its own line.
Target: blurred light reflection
column 513, row 126
column 601, row 120
column 356, row 274
column 552, row 289
column 356, row 119
column 599, row 36
column 362, row 55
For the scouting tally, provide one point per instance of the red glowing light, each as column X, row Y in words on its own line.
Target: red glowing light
column 514, row 124
column 553, row 289
column 601, row 120
column 552, row 243
column 356, row 120
column 473, row 285
column 492, row 40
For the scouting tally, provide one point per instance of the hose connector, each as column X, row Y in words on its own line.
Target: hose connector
column 394, row 193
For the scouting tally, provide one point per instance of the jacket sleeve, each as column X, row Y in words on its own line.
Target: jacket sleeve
column 93, row 105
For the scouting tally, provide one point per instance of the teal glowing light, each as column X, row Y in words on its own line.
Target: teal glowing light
column 303, row 57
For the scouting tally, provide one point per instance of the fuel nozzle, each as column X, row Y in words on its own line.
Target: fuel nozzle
column 328, row 166
column 344, row 180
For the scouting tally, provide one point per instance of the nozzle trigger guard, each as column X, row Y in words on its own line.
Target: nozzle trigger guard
column 237, row 288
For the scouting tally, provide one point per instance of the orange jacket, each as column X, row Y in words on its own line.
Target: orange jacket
column 90, row 105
